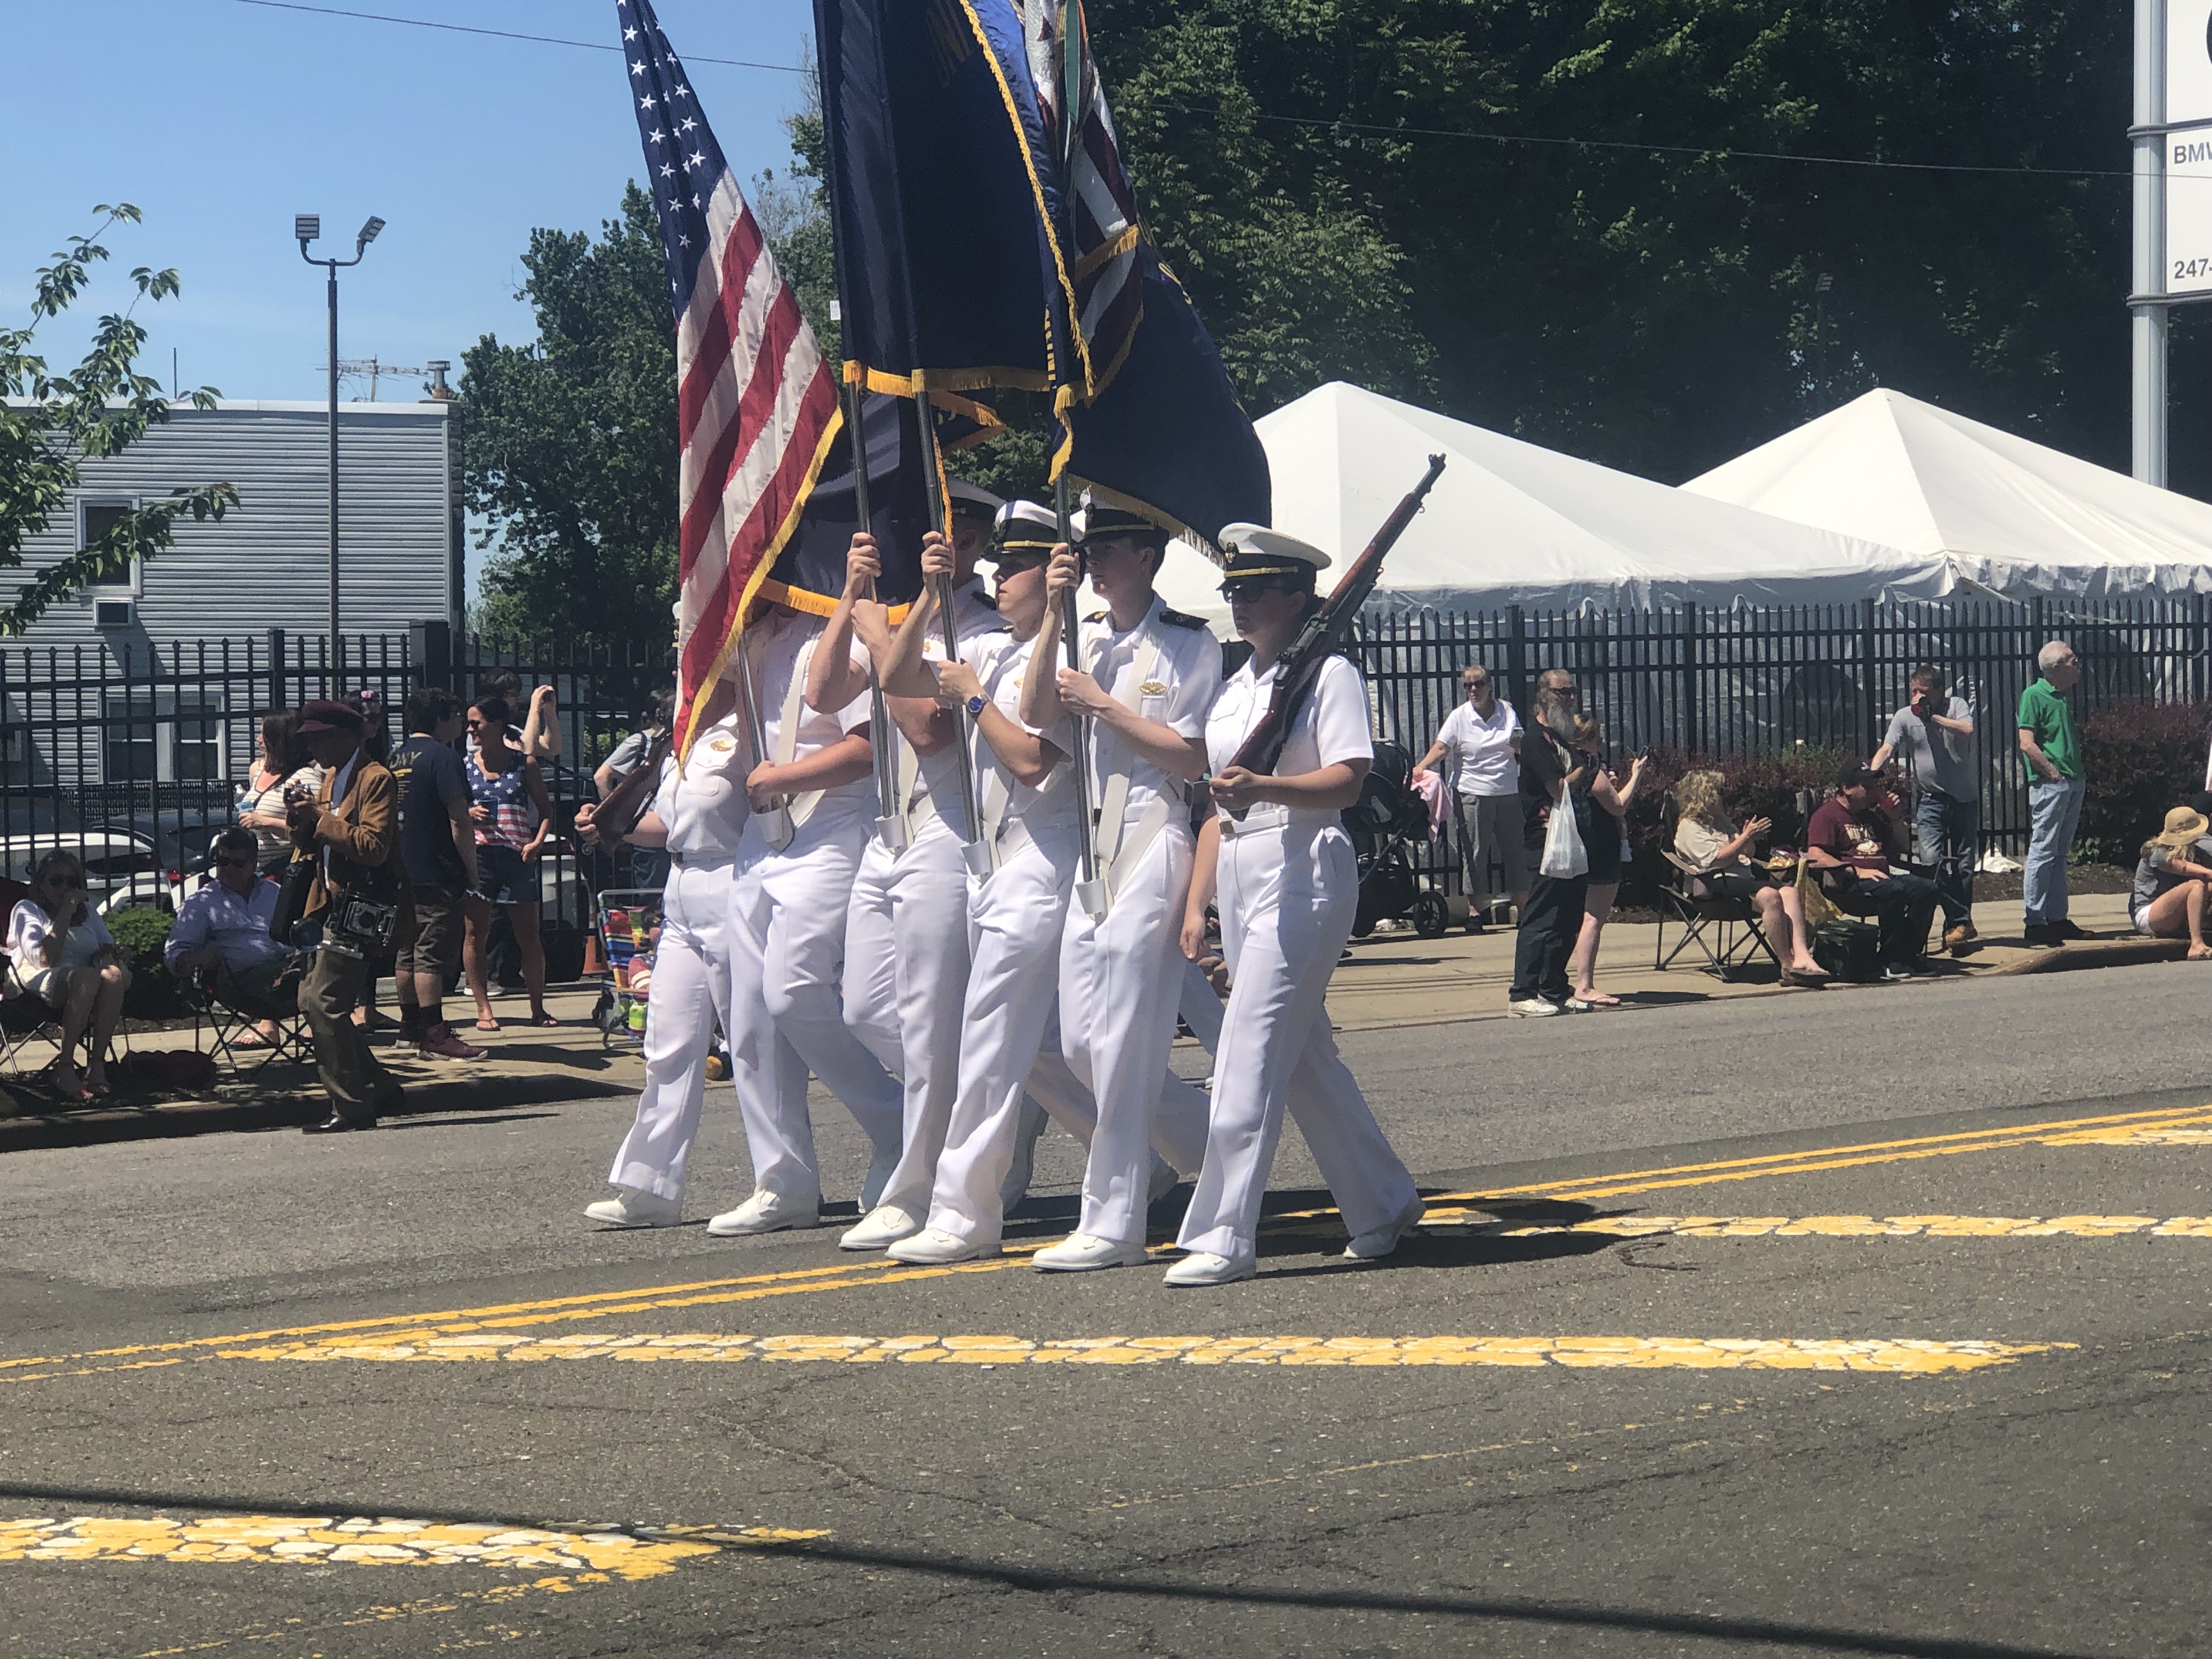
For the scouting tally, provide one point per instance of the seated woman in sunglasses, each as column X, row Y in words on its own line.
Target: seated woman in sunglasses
column 222, row 929
column 61, row 952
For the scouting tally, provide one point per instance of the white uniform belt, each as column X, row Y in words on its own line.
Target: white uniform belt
column 1273, row 815
column 700, row 860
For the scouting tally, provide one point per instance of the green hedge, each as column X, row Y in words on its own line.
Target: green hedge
column 154, row 993
column 2138, row 759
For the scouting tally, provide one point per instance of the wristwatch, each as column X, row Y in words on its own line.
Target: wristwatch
column 976, row 707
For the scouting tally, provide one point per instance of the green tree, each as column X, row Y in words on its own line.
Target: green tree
column 1425, row 196
column 570, row 443
column 50, row 424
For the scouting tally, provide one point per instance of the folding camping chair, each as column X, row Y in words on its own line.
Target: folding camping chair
column 227, row 1018
column 35, row 1020
column 1689, row 899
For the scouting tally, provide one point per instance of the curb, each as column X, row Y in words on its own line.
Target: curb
column 45, row 1131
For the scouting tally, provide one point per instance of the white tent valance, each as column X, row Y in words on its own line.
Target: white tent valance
column 2011, row 515
column 1513, row 523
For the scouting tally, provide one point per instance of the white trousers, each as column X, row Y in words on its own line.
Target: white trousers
column 787, row 940
column 1011, row 1041
column 691, row 990
column 1287, row 898
column 906, row 978
column 1119, row 981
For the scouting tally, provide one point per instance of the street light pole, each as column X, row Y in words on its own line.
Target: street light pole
column 308, row 227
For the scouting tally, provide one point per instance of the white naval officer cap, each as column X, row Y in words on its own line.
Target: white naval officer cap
column 1027, row 527
column 1267, row 558
column 972, row 500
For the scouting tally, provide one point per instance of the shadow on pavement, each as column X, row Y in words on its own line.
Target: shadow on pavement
column 1037, row 1581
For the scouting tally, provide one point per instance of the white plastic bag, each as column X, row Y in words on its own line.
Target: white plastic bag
column 1565, row 855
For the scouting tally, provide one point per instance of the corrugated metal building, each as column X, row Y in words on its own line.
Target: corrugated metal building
column 265, row 565
column 86, row 699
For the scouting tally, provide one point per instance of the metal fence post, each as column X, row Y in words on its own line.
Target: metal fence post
column 1870, row 668
column 1517, row 656
column 430, row 653
column 1689, row 694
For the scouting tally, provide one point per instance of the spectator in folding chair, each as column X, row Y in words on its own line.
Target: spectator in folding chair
column 222, row 936
column 1718, row 852
column 1852, row 841
column 60, row 952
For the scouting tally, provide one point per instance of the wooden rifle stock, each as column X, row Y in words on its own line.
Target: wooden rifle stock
column 625, row 804
column 1324, row 634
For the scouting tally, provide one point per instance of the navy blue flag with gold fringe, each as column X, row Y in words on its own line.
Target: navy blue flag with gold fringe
column 944, row 276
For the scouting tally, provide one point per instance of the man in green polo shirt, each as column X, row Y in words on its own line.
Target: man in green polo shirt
column 2053, row 754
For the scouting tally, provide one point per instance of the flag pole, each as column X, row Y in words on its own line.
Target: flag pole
column 977, row 853
column 779, row 828
column 1091, row 882
column 890, row 820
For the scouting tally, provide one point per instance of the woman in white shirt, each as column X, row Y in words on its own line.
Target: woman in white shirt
column 1276, row 858
column 60, row 952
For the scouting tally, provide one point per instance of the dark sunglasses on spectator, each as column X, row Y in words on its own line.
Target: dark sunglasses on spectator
column 1476, row 686
column 240, row 862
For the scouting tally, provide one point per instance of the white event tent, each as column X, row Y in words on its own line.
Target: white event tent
column 2011, row 515
column 1512, row 523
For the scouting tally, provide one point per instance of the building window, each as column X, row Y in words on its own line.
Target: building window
column 96, row 518
column 165, row 737
column 129, row 746
column 198, row 746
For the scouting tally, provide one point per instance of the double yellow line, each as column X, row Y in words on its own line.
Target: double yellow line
column 877, row 1270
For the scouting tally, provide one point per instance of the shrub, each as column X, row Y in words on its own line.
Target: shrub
column 2139, row 760
column 153, row 994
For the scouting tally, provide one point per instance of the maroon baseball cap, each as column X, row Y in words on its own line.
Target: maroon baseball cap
column 321, row 714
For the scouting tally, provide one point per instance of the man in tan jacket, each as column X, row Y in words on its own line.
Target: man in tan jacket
column 352, row 829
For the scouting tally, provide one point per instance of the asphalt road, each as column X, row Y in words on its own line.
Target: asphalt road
column 1863, row 1321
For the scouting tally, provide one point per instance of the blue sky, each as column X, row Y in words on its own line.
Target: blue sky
column 221, row 119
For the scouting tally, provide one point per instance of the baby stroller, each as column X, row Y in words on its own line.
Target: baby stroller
column 629, row 924
column 1383, row 823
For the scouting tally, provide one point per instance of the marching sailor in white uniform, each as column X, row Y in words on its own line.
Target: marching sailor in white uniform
column 1149, row 676
column 906, row 924
column 699, row 815
column 1284, row 879
column 812, row 801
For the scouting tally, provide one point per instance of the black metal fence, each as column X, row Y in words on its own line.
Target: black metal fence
column 1752, row 683
column 135, row 759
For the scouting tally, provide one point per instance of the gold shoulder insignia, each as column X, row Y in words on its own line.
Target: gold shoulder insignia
column 1097, row 616
column 1177, row 619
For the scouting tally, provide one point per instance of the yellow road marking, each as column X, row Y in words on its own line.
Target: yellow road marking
column 2167, row 1127
column 364, row 1540
column 1845, row 1226
column 1906, row 1356
column 2120, row 1128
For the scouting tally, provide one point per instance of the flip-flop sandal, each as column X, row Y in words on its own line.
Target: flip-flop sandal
column 1601, row 1000
column 487, row 1025
column 251, row 1040
column 545, row 1021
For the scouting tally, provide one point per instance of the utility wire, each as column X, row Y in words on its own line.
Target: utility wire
column 1390, row 131
column 1716, row 152
column 502, row 34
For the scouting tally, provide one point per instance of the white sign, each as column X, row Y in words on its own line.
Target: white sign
column 2188, row 153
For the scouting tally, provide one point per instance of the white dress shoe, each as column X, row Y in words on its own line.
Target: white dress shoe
column 881, row 1168
column 934, row 1247
column 1200, row 1267
column 1162, row 1181
column 764, row 1212
column 630, row 1207
column 1081, row 1253
column 884, row 1224
column 1378, row 1241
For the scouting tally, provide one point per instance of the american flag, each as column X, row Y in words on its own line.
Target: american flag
column 758, row 404
column 1102, row 232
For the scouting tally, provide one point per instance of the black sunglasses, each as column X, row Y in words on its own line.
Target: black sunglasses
column 240, row 862
column 1243, row 587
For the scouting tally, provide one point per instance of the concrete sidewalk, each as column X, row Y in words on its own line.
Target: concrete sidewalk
column 1399, row 979
column 1389, row 980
